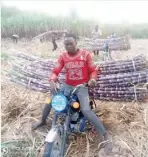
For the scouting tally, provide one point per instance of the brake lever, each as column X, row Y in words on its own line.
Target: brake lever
column 54, row 86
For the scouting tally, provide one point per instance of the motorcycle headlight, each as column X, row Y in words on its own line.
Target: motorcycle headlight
column 59, row 102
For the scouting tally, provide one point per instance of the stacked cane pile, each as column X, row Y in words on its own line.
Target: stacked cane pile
column 114, row 44
column 119, row 81
column 47, row 35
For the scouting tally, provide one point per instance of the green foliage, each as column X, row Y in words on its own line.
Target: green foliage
column 30, row 24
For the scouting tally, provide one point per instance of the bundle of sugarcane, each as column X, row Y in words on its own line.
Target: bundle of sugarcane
column 126, row 97
column 117, row 39
column 109, row 67
column 124, row 94
column 114, row 44
column 103, row 82
column 123, row 66
column 135, row 64
column 47, row 35
column 102, row 93
column 117, row 90
column 123, row 79
column 15, row 55
column 33, row 73
column 124, row 39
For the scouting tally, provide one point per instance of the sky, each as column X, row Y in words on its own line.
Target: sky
column 104, row 11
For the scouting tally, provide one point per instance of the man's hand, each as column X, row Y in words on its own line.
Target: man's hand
column 53, row 87
column 92, row 83
column 53, row 78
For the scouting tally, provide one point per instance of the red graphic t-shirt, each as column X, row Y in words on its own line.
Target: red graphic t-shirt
column 79, row 68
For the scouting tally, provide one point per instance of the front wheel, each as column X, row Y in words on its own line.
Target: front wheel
column 51, row 150
column 54, row 148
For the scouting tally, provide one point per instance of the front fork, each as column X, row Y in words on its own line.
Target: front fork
column 54, row 120
column 65, row 135
column 65, row 131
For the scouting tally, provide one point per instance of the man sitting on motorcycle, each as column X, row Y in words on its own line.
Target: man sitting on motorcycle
column 80, row 69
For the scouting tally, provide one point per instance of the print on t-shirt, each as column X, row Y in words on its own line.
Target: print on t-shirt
column 74, row 70
column 75, row 74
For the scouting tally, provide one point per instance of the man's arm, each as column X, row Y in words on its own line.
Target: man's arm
column 57, row 69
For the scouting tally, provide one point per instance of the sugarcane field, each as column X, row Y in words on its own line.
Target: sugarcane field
column 43, row 60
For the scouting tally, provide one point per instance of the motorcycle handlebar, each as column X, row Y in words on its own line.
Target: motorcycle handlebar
column 54, row 85
column 79, row 86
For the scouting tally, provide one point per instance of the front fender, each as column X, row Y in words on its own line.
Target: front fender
column 52, row 135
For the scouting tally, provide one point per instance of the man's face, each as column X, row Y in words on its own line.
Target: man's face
column 70, row 44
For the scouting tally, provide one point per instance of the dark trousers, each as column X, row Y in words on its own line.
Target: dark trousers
column 55, row 46
column 96, row 52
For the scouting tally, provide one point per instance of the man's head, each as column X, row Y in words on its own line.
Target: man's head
column 70, row 43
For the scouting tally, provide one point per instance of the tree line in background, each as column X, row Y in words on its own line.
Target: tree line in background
column 29, row 24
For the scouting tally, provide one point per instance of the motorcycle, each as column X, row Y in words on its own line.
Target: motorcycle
column 67, row 119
